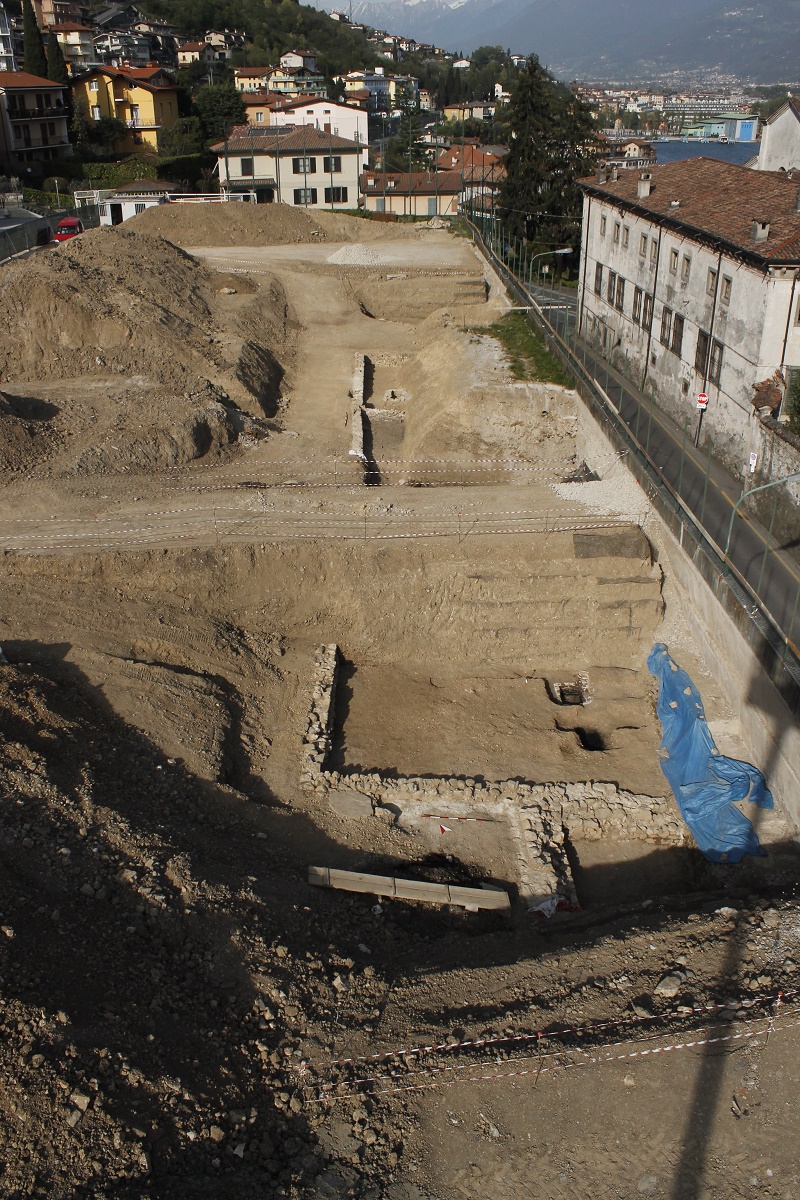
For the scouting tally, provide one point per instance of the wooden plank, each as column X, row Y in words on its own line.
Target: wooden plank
column 488, row 898
column 410, row 889
column 419, row 889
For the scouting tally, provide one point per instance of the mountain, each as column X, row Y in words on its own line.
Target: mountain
column 607, row 39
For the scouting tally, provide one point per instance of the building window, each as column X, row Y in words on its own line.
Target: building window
column 598, row 282
column 602, row 227
column 686, row 268
column 617, row 228
column 259, row 118
column 95, row 112
column 94, row 86
column 715, row 365
column 305, row 195
column 612, row 287
column 102, row 210
column 711, row 282
column 701, row 353
column 666, row 325
column 673, row 262
column 647, row 311
column 626, row 235
column 637, row 305
column 677, row 334
column 336, row 195
column 619, row 303
column 138, row 207
column 653, row 251
column 332, row 166
column 245, row 166
column 643, row 245
column 725, row 290
column 304, row 166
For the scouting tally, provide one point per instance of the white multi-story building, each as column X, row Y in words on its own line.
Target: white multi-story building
column 689, row 282
column 7, row 60
column 301, row 166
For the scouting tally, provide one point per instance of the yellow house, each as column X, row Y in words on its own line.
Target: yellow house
column 145, row 98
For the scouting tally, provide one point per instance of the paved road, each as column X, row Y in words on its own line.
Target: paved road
column 707, row 489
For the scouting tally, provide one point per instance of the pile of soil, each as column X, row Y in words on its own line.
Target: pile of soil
column 258, row 225
column 122, row 352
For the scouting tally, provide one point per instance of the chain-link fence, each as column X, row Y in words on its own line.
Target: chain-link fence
column 753, row 578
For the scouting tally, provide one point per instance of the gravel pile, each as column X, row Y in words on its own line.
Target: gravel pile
column 358, row 255
column 619, row 495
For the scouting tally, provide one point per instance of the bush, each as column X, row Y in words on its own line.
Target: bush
column 188, row 168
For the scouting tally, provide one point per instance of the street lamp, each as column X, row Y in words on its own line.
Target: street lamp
column 546, row 254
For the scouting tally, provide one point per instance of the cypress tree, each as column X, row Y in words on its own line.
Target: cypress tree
column 56, row 65
column 33, row 46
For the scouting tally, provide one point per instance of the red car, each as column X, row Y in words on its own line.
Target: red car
column 67, row 228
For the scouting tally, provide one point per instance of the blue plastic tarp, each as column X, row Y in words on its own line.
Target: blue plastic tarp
column 704, row 782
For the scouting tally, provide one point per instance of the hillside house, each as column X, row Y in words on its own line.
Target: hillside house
column 689, row 283
column 144, row 98
column 252, row 79
column 77, row 45
column 192, row 52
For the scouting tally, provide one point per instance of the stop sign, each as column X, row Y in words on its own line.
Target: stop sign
column 702, row 401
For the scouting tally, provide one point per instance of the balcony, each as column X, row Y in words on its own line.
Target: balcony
column 37, row 114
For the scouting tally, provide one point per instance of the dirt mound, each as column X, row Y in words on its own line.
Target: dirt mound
column 258, row 225
column 123, row 352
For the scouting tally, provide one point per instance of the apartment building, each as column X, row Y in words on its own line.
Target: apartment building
column 689, row 283
column 33, row 121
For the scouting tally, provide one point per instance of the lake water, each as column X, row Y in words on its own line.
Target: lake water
column 732, row 152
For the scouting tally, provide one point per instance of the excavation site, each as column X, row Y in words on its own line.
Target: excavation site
column 339, row 853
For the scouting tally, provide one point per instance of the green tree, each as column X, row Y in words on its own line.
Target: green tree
column 32, row 44
column 553, row 144
column 405, row 149
column 106, row 132
column 79, row 125
column 218, row 108
column 184, row 137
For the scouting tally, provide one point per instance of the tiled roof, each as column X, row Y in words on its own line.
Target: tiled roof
column 69, row 27
column 286, row 138
column 419, row 183
column 21, row 79
column 191, row 47
column 718, row 201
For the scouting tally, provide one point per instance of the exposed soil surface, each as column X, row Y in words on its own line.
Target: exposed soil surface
column 175, row 999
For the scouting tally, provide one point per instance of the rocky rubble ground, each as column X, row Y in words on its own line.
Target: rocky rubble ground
column 172, row 994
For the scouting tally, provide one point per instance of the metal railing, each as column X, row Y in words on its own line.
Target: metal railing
column 773, row 645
